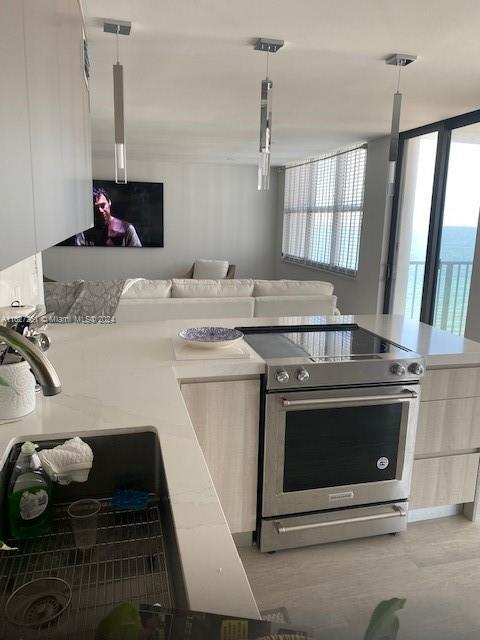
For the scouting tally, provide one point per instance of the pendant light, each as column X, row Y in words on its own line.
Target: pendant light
column 398, row 60
column 119, row 28
column 269, row 46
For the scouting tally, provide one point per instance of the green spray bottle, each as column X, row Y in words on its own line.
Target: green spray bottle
column 30, row 507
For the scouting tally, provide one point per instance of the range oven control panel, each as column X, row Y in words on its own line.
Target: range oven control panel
column 343, row 371
column 282, row 376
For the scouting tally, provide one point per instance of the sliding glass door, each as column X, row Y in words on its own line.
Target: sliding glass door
column 434, row 223
column 459, row 230
column 416, row 199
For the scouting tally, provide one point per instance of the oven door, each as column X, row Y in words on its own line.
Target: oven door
column 338, row 448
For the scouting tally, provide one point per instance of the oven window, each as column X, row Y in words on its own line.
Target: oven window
column 339, row 446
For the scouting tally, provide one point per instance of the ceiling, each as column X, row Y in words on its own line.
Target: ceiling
column 192, row 77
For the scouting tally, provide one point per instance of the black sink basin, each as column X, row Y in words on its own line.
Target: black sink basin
column 134, row 560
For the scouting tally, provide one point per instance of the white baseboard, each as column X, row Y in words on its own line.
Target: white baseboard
column 434, row 512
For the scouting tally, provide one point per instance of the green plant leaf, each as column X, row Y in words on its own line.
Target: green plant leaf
column 122, row 623
column 384, row 623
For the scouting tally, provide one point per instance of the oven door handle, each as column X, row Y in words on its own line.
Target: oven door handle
column 397, row 512
column 406, row 395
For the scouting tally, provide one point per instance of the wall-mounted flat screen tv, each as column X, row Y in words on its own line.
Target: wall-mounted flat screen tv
column 124, row 215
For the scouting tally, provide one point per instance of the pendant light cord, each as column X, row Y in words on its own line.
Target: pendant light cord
column 268, row 53
column 398, row 78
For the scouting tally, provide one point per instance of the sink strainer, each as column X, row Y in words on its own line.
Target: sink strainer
column 38, row 602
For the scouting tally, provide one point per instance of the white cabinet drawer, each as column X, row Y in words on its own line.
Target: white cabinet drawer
column 448, row 426
column 443, row 481
column 440, row 384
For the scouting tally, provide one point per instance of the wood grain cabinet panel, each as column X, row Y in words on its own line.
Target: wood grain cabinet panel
column 444, row 480
column 225, row 416
column 441, row 384
column 448, row 425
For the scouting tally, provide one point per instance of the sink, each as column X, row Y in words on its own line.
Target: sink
column 135, row 558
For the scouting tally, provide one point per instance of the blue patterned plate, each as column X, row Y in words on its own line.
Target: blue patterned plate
column 211, row 337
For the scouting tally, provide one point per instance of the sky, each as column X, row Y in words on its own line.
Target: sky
column 462, row 201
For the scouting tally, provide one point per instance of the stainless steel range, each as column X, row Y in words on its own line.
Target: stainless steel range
column 339, row 415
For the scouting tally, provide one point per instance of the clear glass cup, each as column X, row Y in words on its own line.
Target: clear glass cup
column 83, row 516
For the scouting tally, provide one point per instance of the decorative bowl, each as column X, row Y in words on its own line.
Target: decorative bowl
column 211, row 337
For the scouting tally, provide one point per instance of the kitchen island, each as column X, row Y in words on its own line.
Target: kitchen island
column 126, row 376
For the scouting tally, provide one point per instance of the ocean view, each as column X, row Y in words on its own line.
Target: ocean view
column 458, row 244
column 456, row 258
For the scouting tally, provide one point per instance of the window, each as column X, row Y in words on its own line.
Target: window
column 323, row 210
column 434, row 230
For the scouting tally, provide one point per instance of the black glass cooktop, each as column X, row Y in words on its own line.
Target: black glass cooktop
column 318, row 342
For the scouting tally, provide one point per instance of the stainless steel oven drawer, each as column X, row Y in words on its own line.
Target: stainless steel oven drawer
column 321, row 527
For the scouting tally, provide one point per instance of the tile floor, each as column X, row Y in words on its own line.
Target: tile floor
column 334, row 588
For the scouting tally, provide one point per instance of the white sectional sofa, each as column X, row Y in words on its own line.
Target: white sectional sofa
column 144, row 300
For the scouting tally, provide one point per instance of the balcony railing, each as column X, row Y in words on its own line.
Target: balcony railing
column 453, row 287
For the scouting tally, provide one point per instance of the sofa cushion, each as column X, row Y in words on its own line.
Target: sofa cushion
column 208, row 269
column 144, row 310
column 143, row 288
column 292, row 288
column 235, row 288
column 287, row 306
column 187, row 288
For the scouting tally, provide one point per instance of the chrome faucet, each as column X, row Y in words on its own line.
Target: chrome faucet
column 42, row 368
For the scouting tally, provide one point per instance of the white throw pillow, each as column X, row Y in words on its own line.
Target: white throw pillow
column 187, row 288
column 143, row 288
column 292, row 288
column 210, row 269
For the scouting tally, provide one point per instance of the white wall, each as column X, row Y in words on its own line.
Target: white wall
column 210, row 211
column 23, row 282
column 364, row 293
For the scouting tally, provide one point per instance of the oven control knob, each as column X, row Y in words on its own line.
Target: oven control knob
column 417, row 369
column 302, row 375
column 281, row 375
column 398, row 369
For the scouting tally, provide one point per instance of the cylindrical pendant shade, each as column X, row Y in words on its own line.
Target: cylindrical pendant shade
column 266, row 115
column 265, row 135
column 119, row 123
column 395, row 130
column 120, row 163
column 264, row 171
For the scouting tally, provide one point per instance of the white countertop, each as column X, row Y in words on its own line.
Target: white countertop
column 121, row 377
column 440, row 348
column 125, row 376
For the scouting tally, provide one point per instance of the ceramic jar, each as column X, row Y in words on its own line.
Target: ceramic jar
column 17, row 390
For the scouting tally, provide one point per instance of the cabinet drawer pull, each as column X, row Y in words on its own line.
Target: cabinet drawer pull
column 405, row 395
column 397, row 512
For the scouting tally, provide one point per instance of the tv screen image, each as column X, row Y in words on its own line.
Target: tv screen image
column 124, row 215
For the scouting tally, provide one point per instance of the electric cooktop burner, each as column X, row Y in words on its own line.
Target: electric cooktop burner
column 319, row 342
